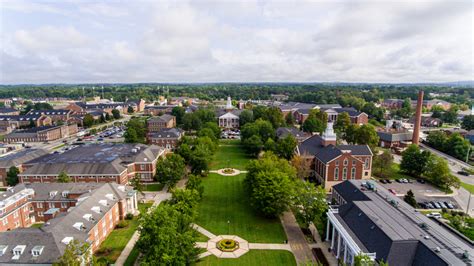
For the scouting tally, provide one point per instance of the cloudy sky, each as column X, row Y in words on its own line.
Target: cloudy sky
column 253, row 40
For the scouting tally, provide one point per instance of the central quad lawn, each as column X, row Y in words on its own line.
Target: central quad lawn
column 225, row 200
column 468, row 187
column 229, row 154
column 254, row 258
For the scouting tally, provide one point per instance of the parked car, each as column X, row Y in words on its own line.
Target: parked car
column 429, row 205
column 383, row 181
column 449, row 205
column 436, row 205
column 388, row 181
column 422, row 181
column 464, row 173
column 435, row 215
column 422, row 205
column 442, row 205
column 398, row 180
column 392, row 191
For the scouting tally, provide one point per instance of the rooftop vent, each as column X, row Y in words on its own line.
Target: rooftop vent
column 121, row 188
column 437, row 250
column 110, row 196
column 427, row 237
column 67, row 240
column 134, row 150
column 37, row 250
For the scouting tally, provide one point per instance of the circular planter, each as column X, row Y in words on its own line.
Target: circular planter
column 227, row 245
column 228, row 171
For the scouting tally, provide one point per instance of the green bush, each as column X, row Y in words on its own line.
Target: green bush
column 129, row 216
column 122, row 224
column 228, row 245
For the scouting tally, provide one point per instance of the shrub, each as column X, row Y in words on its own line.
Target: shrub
column 122, row 224
column 228, row 245
column 103, row 251
column 129, row 216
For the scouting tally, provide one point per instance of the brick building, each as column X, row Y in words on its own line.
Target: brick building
column 332, row 163
column 42, row 133
column 55, row 115
column 11, row 122
column 83, row 108
column 155, row 110
column 17, row 159
column 167, row 138
column 394, row 138
column 97, row 210
column 158, row 123
column 96, row 163
column 9, row 111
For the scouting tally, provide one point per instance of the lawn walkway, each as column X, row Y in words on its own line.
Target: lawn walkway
column 230, row 154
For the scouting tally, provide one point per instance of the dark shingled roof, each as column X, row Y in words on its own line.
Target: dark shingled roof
column 313, row 146
column 349, row 110
column 349, row 191
column 282, row 132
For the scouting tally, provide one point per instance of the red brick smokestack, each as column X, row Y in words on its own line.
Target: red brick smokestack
column 419, row 105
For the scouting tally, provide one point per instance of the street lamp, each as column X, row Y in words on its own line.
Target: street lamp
column 228, row 226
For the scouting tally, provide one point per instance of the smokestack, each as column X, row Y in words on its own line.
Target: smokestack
column 419, row 105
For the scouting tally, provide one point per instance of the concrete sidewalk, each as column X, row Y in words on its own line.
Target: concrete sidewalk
column 296, row 239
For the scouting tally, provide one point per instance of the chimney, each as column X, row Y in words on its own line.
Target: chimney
column 416, row 132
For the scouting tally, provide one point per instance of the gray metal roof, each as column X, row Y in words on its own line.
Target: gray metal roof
column 163, row 118
column 395, row 136
column 20, row 157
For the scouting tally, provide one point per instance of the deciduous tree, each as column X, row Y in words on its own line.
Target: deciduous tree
column 170, row 170
column 12, row 176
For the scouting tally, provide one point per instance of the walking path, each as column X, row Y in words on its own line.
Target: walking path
column 234, row 173
column 296, row 239
column 203, row 231
column 324, row 246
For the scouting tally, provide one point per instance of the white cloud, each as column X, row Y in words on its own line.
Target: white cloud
column 186, row 41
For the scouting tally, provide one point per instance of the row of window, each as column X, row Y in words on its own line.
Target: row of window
column 344, row 173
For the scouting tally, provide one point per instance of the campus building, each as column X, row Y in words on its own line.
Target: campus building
column 89, row 212
column 228, row 118
column 17, row 159
column 368, row 220
column 55, row 114
column 332, row 164
column 42, row 133
column 97, row 163
column 167, row 138
column 158, row 123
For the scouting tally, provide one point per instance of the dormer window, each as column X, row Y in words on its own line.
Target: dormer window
column 79, row 226
column 88, row 217
column 65, row 194
column 103, row 202
column 3, row 249
column 52, row 194
column 18, row 250
column 110, row 196
column 67, row 240
column 96, row 209
column 37, row 250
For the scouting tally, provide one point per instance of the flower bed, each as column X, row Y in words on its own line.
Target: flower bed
column 228, row 245
column 228, row 171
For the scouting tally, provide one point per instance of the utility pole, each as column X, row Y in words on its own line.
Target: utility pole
column 468, row 203
column 103, row 92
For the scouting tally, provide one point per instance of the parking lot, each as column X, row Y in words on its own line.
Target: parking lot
column 423, row 192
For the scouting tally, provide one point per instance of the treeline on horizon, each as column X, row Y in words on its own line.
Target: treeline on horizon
column 309, row 93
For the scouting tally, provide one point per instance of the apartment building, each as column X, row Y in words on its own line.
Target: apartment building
column 95, row 214
column 97, row 163
column 158, row 123
column 42, row 133
column 17, row 159
column 167, row 138
column 11, row 122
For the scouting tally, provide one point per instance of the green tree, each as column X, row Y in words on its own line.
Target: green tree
column 75, row 254
column 290, row 119
column 246, row 116
column 366, row 135
column 259, row 112
column 207, row 132
column 254, row 145
column 12, row 176
column 275, row 117
column 363, row 260
column 178, row 112
column 214, row 128
column 312, row 124
column 200, row 158
column 136, row 131
column 309, row 204
column 438, row 172
column 170, row 170
column 107, row 116
column 88, row 120
column 285, row 147
column 458, row 147
column 130, row 110
column 116, row 114
column 382, row 164
column 468, row 122
column 351, row 133
column 302, row 166
column 167, row 237
column 64, row 178
column 410, row 199
column 437, row 140
column 342, row 123
column 191, row 121
column 414, row 162
column 136, row 183
column 195, row 183
column 450, row 116
column 269, row 183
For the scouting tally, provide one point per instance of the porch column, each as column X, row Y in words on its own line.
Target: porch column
column 327, row 230
column 345, row 252
column 338, row 245
column 332, row 238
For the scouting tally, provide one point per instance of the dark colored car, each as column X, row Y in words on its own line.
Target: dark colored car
column 422, row 181
column 383, row 181
column 388, row 181
column 464, row 173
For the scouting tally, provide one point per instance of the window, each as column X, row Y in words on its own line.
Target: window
column 40, row 214
column 39, row 205
column 366, row 163
column 63, row 205
column 15, row 214
column 337, row 163
column 51, row 205
column 353, row 162
column 5, row 221
column 344, row 173
column 142, row 167
column 336, row 173
column 345, row 162
column 353, row 173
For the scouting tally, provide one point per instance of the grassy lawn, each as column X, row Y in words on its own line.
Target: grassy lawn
column 132, row 257
column 36, row 225
column 254, row 257
column 153, row 187
column 230, row 153
column 225, row 200
column 394, row 172
column 119, row 237
column 468, row 187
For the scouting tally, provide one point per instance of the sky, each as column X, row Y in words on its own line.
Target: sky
column 235, row 41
